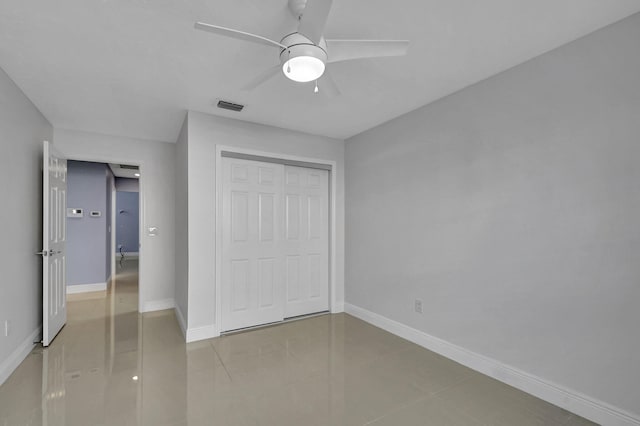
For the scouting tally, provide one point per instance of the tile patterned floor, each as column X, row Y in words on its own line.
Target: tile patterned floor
column 112, row 366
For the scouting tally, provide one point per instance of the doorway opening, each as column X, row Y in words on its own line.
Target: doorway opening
column 79, row 236
column 103, row 231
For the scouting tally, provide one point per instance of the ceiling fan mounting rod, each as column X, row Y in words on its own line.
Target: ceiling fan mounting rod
column 297, row 7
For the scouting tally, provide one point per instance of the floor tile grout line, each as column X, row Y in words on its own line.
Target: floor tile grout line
column 221, row 361
column 452, row 385
column 401, row 407
column 525, row 407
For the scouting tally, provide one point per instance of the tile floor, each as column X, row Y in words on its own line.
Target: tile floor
column 112, row 366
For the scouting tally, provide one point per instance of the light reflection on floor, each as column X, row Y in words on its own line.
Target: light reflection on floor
column 112, row 366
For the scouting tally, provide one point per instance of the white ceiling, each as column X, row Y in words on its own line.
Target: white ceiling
column 133, row 67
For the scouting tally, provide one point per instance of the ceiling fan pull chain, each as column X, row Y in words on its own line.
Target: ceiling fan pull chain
column 289, row 61
column 316, row 88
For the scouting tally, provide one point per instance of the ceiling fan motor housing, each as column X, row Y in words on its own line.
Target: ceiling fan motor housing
column 302, row 61
column 299, row 45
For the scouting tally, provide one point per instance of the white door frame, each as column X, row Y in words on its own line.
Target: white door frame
column 119, row 160
column 112, row 225
column 333, row 303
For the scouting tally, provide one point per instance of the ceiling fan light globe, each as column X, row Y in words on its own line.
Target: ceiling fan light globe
column 303, row 68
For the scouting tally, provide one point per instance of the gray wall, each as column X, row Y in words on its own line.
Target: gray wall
column 512, row 210
column 127, row 184
column 22, row 130
column 127, row 222
column 87, row 237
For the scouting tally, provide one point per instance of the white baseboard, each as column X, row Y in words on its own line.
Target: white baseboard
column 14, row 359
column 86, row 288
column 158, row 305
column 337, row 308
column 585, row 406
column 181, row 321
column 196, row 333
column 201, row 333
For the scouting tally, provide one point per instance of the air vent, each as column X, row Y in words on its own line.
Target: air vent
column 128, row 167
column 230, row 106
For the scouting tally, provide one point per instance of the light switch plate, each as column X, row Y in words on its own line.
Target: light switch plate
column 74, row 212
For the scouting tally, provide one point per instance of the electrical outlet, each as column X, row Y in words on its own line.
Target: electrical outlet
column 417, row 306
column 7, row 328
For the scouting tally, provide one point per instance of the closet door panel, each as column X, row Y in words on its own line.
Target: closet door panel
column 252, row 281
column 307, row 230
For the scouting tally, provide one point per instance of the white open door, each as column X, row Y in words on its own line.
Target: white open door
column 54, row 206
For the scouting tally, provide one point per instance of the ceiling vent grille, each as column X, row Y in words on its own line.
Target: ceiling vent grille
column 128, row 167
column 230, row 106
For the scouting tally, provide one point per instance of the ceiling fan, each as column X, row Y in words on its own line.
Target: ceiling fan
column 305, row 53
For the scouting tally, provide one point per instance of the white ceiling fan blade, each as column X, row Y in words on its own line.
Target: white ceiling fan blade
column 345, row 50
column 241, row 35
column 314, row 19
column 262, row 78
column 328, row 86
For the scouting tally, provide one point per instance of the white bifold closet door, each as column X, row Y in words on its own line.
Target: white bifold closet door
column 275, row 242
